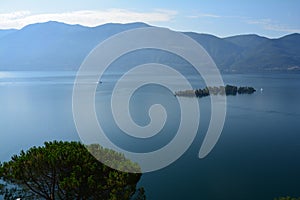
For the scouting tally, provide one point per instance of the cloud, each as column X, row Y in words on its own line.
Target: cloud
column 90, row 18
column 204, row 15
column 212, row 15
column 261, row 22
column 268, row 24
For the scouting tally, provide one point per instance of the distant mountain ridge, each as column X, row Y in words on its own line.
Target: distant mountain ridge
column 4, row 32
column 59, row 46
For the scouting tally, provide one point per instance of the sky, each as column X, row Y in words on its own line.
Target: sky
column 223, row 18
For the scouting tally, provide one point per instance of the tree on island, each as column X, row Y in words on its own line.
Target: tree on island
column 66, row 170
column 221, row 90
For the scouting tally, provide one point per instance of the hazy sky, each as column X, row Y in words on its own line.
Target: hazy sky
column 269, row 18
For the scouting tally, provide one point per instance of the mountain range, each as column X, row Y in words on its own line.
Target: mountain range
column 59, row 46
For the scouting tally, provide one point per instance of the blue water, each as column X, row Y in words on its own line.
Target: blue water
column 257, row 156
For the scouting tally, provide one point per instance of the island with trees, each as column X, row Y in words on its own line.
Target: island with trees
column 221, row 90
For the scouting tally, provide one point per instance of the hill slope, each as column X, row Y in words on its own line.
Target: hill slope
column 6, row 32
column 59, row 46
column 53, row 45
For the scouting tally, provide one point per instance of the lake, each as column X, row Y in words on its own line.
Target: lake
column 256, row 157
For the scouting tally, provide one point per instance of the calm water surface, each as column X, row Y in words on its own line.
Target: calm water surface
column 257, row 156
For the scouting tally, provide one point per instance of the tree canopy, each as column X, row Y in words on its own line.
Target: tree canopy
column 66, row 170
column 287, row 198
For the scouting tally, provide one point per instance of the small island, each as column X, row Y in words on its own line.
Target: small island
column 221, row 90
